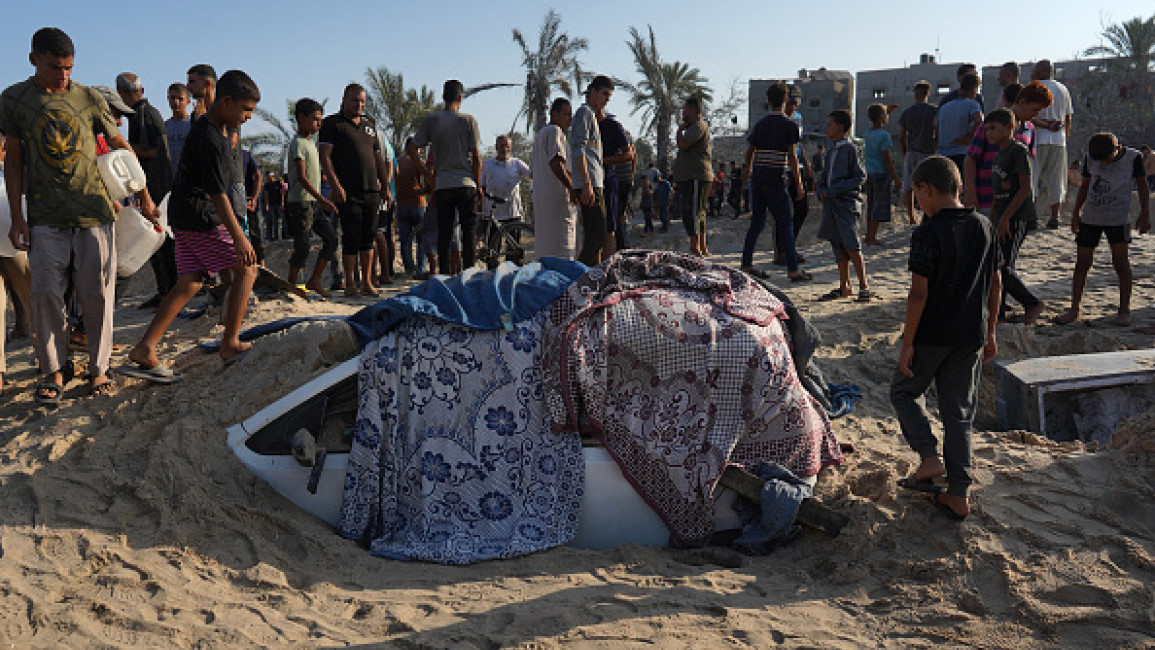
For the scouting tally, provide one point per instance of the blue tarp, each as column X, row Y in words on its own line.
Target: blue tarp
column 476, row 298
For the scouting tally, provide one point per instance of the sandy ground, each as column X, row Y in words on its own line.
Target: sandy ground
column 127, row 522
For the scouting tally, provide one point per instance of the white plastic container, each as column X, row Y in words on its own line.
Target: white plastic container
column 122, row 173
column 6, row 247
column 136, row 240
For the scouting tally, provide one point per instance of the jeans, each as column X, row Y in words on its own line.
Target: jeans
column 408, row 221
column 622, row 233
column 955, row 372
column 776, row 199
column 275, row 215
column 455, row 207
column 1012, row 283
column 593, row 229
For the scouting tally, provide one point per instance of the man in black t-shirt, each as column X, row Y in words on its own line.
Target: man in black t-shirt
column 951, row 312
column 274, row 191
column 351, row 159
column 149, row 140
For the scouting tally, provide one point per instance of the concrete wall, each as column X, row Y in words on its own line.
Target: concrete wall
column 822, row 92
column 896, row 86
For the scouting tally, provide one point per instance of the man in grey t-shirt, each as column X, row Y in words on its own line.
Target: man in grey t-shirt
column 585, row 141
column 457, row 165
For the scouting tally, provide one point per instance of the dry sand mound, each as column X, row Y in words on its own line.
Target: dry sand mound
column 127, row 522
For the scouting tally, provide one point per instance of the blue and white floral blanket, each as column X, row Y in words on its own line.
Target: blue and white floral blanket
column 453, row 459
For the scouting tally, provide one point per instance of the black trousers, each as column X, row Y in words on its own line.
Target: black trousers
column 455, row 206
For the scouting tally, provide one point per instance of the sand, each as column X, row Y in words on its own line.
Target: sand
column 127, row 522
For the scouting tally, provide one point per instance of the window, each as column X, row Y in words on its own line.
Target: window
column 943, row 89
column 815, row 102
column 879, row 93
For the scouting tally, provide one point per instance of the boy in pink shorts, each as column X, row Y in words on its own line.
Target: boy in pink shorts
column 203, row 212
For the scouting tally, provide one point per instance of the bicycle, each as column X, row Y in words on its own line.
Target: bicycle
column 504, row 241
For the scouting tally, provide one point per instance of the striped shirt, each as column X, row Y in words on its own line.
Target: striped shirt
column 772, row 138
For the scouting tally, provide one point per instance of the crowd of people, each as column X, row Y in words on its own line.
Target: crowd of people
column 970, row 180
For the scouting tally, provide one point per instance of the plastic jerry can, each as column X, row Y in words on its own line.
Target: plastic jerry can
column 122, row 173
column 136, row 240
column 6, row 247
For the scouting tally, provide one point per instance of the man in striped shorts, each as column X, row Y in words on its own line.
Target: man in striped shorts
column 206, row 227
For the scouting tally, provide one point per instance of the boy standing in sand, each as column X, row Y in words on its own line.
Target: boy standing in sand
column 304, row 197
column 840, row 190
column 880, row 172
column 208, row 233
column 1109, row 173
column 951, row 312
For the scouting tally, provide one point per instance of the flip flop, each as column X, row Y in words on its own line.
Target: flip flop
column 158, row 374
column 48, row 400
column 236, row 358
column 947, row 510
column 758, row 273
column 803, row 276
column 833, row 294
column 925, row 485
column 866, row 295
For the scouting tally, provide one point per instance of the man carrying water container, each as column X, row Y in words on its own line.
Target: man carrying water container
column 51, row 124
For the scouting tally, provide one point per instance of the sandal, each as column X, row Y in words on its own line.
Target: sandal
column 757, row 273
column 103, row 389
column 48, row 393
column 833, row 294
column 866, row 295
column 803, row 276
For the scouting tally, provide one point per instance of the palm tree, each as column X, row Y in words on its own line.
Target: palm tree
column 553, row 64
column 397, row 110
column 660, row 93
column 1133, row 40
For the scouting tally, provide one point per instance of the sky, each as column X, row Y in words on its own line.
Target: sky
column 294, row 48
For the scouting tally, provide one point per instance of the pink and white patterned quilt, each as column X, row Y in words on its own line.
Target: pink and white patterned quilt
column 679, row 367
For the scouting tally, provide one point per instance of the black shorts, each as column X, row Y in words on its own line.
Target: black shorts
column 1089, row 235
column 358, row 216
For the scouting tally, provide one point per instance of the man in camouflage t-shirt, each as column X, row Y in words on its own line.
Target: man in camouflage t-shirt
column 50, row 125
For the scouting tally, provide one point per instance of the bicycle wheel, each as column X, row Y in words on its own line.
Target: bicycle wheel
column 517, row 244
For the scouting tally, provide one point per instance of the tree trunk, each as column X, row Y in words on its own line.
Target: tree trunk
column 662, row 131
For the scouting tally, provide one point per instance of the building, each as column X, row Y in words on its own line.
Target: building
column 896, row 86
column 822, row 92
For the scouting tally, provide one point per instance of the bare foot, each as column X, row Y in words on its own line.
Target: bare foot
column 229, row 351
column 370, row 291
column 143, row 357
column 1067, row 317
column 1031, row 315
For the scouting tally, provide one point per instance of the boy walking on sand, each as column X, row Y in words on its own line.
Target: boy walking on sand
column 951, row 312
column 1109, row 173
column 1013, row 207
column 207, row 230
column 840, row 190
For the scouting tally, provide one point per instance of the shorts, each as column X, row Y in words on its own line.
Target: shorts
column 1089, row 235
column 358, row 217
column 878, row 197
column 909, row 163
column 204, row 252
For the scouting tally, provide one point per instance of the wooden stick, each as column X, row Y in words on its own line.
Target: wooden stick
column 811, row 513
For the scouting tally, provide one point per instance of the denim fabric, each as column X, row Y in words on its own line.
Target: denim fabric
column 777, row 201
column 408, row 222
